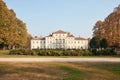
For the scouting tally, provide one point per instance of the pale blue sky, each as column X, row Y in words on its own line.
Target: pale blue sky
column 76, row 16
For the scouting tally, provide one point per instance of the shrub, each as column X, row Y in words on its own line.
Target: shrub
column 60, row 52
column 41, row 53
column 94, row 52
column 12, row 52
column 104, row 52
column 30, row 52
column 22, row 52
column 87, row 53
column 16, row 52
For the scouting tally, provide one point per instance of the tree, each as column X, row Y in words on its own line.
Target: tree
column 103, row 43
column 4, row 24
column 98, row 29
column 28, row 43
column 22, row 33
column 94, row 43
column 13, row 32
column 109, row 29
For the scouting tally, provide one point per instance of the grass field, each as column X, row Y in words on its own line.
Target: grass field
column 59, row 71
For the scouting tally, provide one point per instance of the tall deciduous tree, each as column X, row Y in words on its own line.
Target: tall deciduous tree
column 103, row 43
column 109, row 29
column 28, row 43
column 94, row 43
column 13, row 32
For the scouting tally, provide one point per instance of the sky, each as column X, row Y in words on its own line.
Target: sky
column 78, row 17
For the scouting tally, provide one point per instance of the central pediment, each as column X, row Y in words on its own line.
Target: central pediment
column 59, row 32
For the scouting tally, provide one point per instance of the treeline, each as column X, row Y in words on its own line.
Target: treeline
column 13, row 32
column 107, row 33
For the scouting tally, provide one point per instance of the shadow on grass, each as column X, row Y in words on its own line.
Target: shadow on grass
column 29, row 72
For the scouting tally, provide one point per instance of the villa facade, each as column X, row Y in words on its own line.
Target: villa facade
column 59, row 40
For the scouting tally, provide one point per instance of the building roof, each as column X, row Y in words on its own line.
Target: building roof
column 40, row 38
column 59, row 32
column 50, row 35
column 80, row 38
column 70, row 36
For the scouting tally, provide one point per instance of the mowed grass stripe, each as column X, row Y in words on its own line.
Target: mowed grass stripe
column 59, row 71
column 73, row 73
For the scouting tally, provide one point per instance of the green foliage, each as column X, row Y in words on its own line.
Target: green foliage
column 30, row 52
column 103, row 43
column 104, row 52
column 22, row 52
column 51, row 52
column 94, row 43
column 87, row 53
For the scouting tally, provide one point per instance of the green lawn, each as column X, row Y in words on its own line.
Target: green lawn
column 59, row 71
column 4, row 52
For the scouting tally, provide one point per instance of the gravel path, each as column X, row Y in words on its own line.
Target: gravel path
column 59, row 59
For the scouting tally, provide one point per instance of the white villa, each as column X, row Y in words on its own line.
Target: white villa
column 59, row 39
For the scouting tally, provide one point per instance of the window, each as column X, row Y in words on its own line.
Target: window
column 81, row 42
column 56, row 41
column 63, row 40
column 60, row 41
column 36, row 41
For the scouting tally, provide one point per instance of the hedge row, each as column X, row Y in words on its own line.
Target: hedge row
column 104, row 52
column 22, row 52
column 63, row 52
column 57, row 52
column 51, row 52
